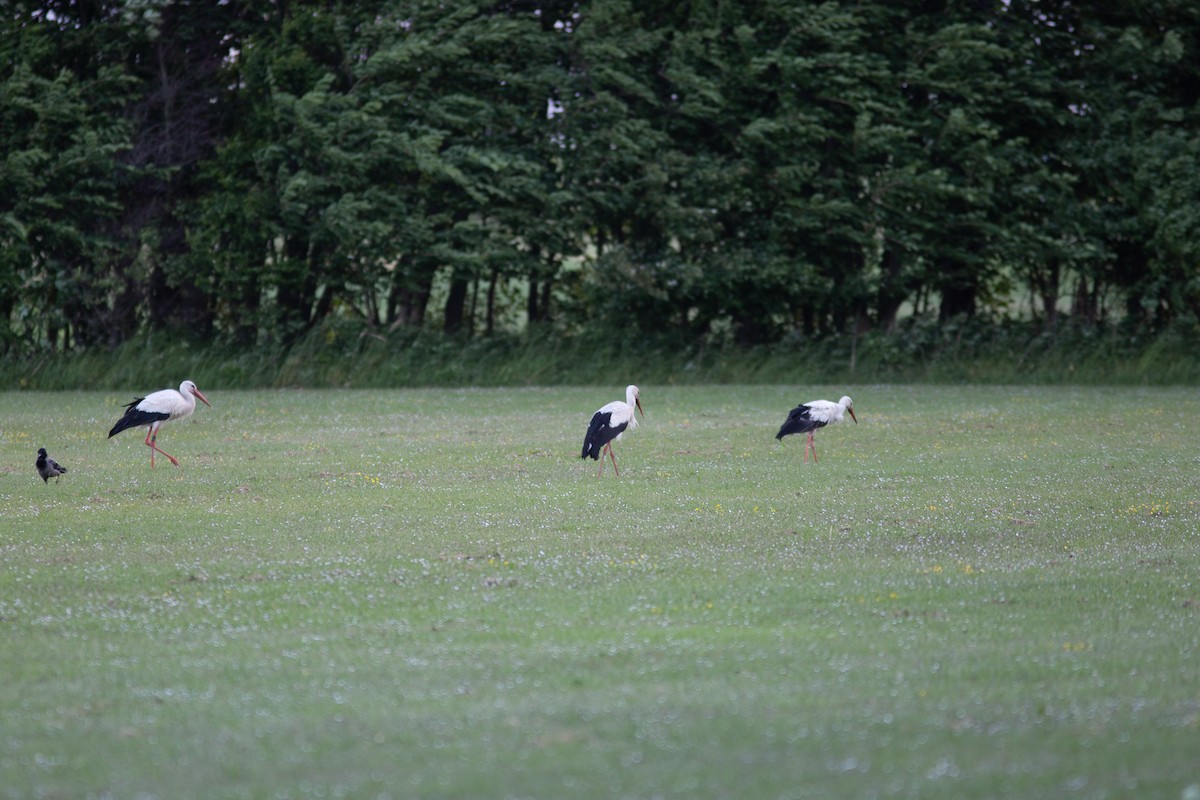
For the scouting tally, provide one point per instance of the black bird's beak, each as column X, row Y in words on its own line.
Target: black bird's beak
column 851, row 410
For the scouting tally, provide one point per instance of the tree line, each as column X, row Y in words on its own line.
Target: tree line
column 248, row 170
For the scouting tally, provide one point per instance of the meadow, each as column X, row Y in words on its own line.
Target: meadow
column 978, row 592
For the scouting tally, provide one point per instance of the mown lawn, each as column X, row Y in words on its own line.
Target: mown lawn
column 977, row 593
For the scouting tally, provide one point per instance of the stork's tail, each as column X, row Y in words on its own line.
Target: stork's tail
column 124, row 422
column 593, row 440
column 787, row 429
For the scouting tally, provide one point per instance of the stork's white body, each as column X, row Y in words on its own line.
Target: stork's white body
column 608, row 424
column 158, row 408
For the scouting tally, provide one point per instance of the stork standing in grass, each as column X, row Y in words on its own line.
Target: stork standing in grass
column 807, row 418
column 607, row 426
column 157, row 409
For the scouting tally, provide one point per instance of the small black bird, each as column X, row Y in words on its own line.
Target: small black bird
column 48, row 468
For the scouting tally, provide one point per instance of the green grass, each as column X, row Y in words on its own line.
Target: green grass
column 977, row 593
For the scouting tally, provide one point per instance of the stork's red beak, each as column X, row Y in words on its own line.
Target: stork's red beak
column 638, row 401
column 200, row 395
column 851, row 410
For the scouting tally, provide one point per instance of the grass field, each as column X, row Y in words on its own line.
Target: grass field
column 977, row 593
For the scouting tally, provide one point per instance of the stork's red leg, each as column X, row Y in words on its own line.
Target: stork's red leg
column 149, row 433
column 609, row 449
column 808, row 445
column 152, row 443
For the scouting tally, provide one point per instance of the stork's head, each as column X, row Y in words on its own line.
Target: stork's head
column 633, row 397
column 848, row 404
column 190, row 388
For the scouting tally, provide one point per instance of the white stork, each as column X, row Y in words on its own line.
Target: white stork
column 47, row 467
column 807, row 418
column 158, row 408
column 608, row 424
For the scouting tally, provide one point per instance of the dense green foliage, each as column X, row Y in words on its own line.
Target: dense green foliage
column 977, row 593
column 754, row 172
column 339, row 356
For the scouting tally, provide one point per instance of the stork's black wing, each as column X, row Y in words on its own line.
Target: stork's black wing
column 135, row 417
column 799, row 420
column 599, row 433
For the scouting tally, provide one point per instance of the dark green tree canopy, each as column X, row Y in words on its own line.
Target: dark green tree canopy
column 744, row 171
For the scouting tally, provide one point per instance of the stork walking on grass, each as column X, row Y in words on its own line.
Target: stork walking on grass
column 157, row 409
column 47, row 467
column 809, row 417
column 607, row 425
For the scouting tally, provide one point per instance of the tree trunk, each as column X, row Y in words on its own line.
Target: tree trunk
column 324, row 304
column 410, row 307
column 291, row 295
column 956, row 300
column 456, row 302
column 891, row 290
column 245, row 326
column 409, row 294
column 959, row 290
column 547, row 287
column 1049, row 295
column 7, row 302
column 531, row 300
column 491, row 302
column 808, row 320
column 122, row 319
column 471, row 314
column 1083, row 302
